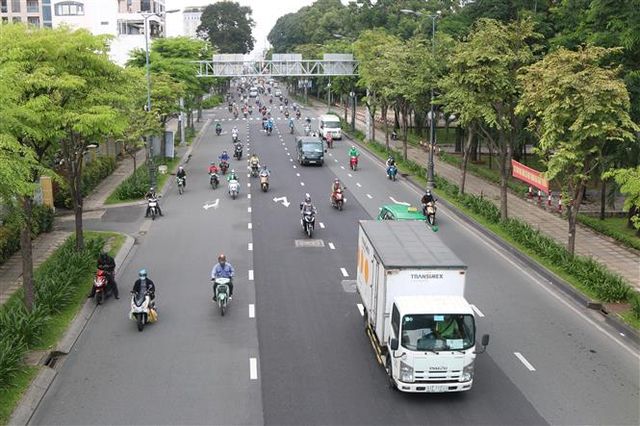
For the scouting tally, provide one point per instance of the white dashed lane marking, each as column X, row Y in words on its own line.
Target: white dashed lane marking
column 360, row 308
column 250, row 246
column 358, row 185
column 252, row 310
column 253, row 369
column 331, row 246
column 321, row 225
column 249, row 225
column 477, row 311
column 524, row 361
column 369, row 196
column 344, row 272
column 250, row 274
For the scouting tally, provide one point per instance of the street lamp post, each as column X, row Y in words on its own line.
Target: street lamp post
column 146, row 16
column 329, row 95
column 432, row 112
column 353, row 111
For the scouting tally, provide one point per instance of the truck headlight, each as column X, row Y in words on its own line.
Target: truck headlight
column 406, row 372
column 467, row 373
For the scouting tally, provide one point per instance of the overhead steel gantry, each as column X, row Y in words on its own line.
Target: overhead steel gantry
column 281, row 65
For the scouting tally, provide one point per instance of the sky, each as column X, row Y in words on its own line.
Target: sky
column 265, row 14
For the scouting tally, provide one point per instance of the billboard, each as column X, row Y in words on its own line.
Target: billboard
column 529, row 175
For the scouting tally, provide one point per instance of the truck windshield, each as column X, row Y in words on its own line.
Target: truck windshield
column 332, row 124
column 429, row 332
column 312, row 147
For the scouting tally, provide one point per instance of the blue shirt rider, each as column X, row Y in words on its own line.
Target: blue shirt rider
column 222, row 269
column 224, row 156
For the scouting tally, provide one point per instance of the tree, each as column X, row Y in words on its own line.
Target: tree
column 227, row 27
column 629, row 181
column 588, row 107
column 482, row 85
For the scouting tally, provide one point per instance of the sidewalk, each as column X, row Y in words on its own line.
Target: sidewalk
column 605, row 250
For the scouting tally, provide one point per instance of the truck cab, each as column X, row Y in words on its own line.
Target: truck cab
column 329, row 124
column 431, row 343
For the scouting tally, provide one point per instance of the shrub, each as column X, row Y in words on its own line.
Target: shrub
column 600, row 227
column 635, row 305
column 10, row 231
column 212, row 101
column 92, row 175
column 12, row 349
column 135, row 186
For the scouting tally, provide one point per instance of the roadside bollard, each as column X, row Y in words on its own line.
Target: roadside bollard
column 549, row 199
column 539, row 196
column 530, row 192
column 560, row 203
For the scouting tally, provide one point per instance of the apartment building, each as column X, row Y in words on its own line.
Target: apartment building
column 191, row 17
column 32, row 12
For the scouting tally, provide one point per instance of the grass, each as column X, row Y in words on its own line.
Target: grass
column 9, row 398
column 171, row 164
column 628, row 316
column 614, row 227
column 56, row 327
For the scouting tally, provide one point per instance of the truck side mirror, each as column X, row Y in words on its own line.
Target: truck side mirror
column 394, row 344
column 485, row 340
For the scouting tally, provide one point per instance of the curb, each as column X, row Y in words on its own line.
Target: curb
column 40, row 385
column 626, row 331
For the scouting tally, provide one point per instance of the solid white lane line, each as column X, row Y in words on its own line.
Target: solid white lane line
column 369, row 196
column 252, row 310
column 524, row 361
column 360, row 308
column 321, row 225
column 477, row 311
column 248, row 195
column 249, row 225
column 331, row 246
column 253, row 369
column 250, row 246
column 248, row 209
column 349, row 174
column 250, row 274
column 344, row 272
column 358, row 185
column 301, row 183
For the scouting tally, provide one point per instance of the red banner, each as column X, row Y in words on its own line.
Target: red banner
column 529, row 175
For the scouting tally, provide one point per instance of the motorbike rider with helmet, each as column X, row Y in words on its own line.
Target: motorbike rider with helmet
column 143, row 285
column 151, row 195
column 222, row 269
column 353, row 152
column 307, row 206
column 426, row 199
column 224, row 157
column 335, row 187
column 181, row 174
column 264, row 171
column 107, row 264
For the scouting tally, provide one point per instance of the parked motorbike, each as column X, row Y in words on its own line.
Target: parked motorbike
column 152, row 204
column 353, row 162
column 429, row 210
column 264, row 183
column 224, row 166
column 141, row 308
column 237, row 152
column 308, row 222
column 214, row 181
column 234, row 187
column 180, row 182
column 392, row 171
column 221, row 286
column 338, row 199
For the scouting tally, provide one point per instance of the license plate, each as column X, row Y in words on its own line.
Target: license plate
column 312, row 161
column 436, row 388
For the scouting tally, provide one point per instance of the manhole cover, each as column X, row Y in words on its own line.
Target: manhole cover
column 349, row 286
column 309, row 243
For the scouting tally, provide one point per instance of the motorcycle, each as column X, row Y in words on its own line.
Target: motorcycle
column 338, row 199
column 218, row 131
column 298, row 114
column 307, row 130
column 353, row 162
column 234, row 187
column 101, row 285
column 329, row 140
column 221, row 295
column 214, row 181
column 141, row 309
column 269, row 129
column 152, row 204
column 392, row 171
column 255, row 168
column 264, row 183
column 234, row 137
column 237, row 152
column 224, row 166
column 429, row 211
column 291, row 129
column 180, row 182
column 245, row 114
column 308, row 222
column 235, row 114
column 286, row 114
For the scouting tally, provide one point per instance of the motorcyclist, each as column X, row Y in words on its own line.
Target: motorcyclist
column 237, row 147
column 254, row 160
column 353, row 152
column 182, row 174
column 143, row 285
column 224, row 157
column 232, row 176
column 307, row 120
column 291, row 123
column 307, row 206
column 426, row 199
column 213, row 168
column 218, row 127
column 222, row 269
column 270, row 123
column 107, row 264
column 264, row 171
column 234, row 132
column 151, row 195
column 390, row 162
column 329, row 139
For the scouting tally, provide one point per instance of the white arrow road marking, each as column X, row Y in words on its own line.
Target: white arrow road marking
column 358, row 185
column 524, row 361
column 252, row 310
column 360, row 308
column 207, row 206
column 344, row 272
column 331, row 246
column 250, row 246
column 253, row 369
column 250, row 274
column 402, row 203
column 284, row 201
column 477, row 311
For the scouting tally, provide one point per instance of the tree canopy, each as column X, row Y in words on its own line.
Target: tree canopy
column 227, row 27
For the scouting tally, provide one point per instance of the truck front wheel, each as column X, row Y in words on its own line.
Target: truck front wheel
column 392, row 383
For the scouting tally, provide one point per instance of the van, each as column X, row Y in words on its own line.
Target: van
column 310, row 150
column 329, row 123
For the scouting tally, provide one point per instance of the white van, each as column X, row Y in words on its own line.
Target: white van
column 329, row 123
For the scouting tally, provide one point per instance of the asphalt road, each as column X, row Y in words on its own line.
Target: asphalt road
column 314, row 363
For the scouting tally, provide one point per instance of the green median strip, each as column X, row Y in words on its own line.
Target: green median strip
column 62, row 283
column 137, row 184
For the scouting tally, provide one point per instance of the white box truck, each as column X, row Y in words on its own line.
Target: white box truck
column 421, row 327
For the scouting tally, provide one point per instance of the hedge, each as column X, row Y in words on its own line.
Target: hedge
column 56, row 280
column 92, row 174
column 10, row 230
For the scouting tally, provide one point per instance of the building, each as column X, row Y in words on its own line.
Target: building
column 191, row 20
column 33, row 12
column 123, row 19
